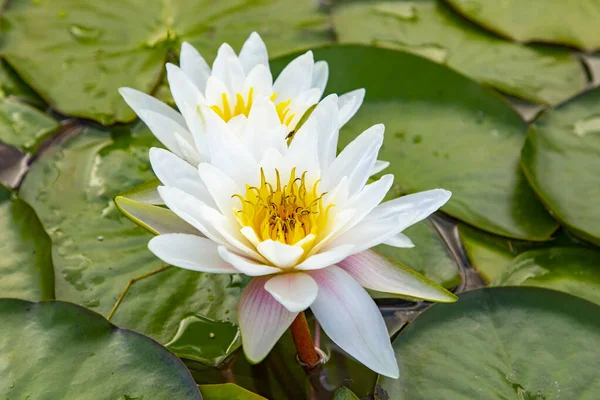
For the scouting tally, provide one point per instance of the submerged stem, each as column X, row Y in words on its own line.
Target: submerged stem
column 304, row 342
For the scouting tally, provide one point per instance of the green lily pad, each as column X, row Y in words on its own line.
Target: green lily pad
column 56, row 350
column 429, row 257
column 227, row 391
column 442, row 130
column 509, row 342
column 25, row 265
column 562, row 22
column 490, row 255
column 430, row 29
column 13, row 86
column 22, row 125
column 96, row 250
column 76, row 55
column 204, row 340
column 567, row 269
column 561, row 159
column 344, row 393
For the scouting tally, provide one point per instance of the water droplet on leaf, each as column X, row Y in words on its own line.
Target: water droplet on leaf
column 83, row 33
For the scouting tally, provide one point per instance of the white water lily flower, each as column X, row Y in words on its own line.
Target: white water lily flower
column 229, row 90
column 300, row 221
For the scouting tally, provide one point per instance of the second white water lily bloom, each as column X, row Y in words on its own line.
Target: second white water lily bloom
column 299, row 220
column 229, row 89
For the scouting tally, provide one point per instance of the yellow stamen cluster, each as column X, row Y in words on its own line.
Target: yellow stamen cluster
column 243, row 107
column 285, row 213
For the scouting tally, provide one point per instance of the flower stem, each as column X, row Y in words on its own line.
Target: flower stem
column 304, row 342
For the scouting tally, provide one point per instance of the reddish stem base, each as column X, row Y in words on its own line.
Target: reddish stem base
column 304, row 342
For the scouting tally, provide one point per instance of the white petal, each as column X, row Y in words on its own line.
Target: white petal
column 260, row 80
column 262, row 320
column 219, row 67
column 412, row 208
column 246, row 266
column 365, row 235
column 325, row 258
column 215, row 89
column 194, row 66
column 352, row 320
column 399, row 240
column 185, row 93
column 280, row 254
column 173, row 171
column 158, row 220
column 376, row 272
column 141, row 101
column 325, row 114
column 304, row 150
column 349, row 104
column 221, row 188
column 369, row 198
column 254, row 52
column 209, row 221
column 356, row 160
column 296, row 291
column 320, row 75
column 164, row 122
column 190, row 252
column 187, row 150
column 295, row 78
column 379, row 166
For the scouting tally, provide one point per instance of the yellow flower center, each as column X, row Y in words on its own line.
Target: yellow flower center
column 242, row 106
column 286, row 213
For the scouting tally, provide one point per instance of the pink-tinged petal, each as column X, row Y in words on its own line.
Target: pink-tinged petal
column 374, row 271
column 350, row 318
column 399, row 240
column 262, row 320
column 349, row 104
column 173, row 171
column 295, row 291
column 280, row 254
column 325, row 258
column 190, row 252
column 254, row 52
column 194, row 66
column 245, row 265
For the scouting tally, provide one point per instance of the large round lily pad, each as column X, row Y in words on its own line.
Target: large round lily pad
column 561, row 159
column 96, row 250
column 77, row 54
column 512, row 343
column 429, row 28
column 56, row 350
column 25, row 263
column 573, row 23
column 442, row 130
column 572, row 270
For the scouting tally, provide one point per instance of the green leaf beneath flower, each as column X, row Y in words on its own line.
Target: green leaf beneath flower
column 57, row 350
column 510, row 342
column 25, row 265
column 97, row 251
